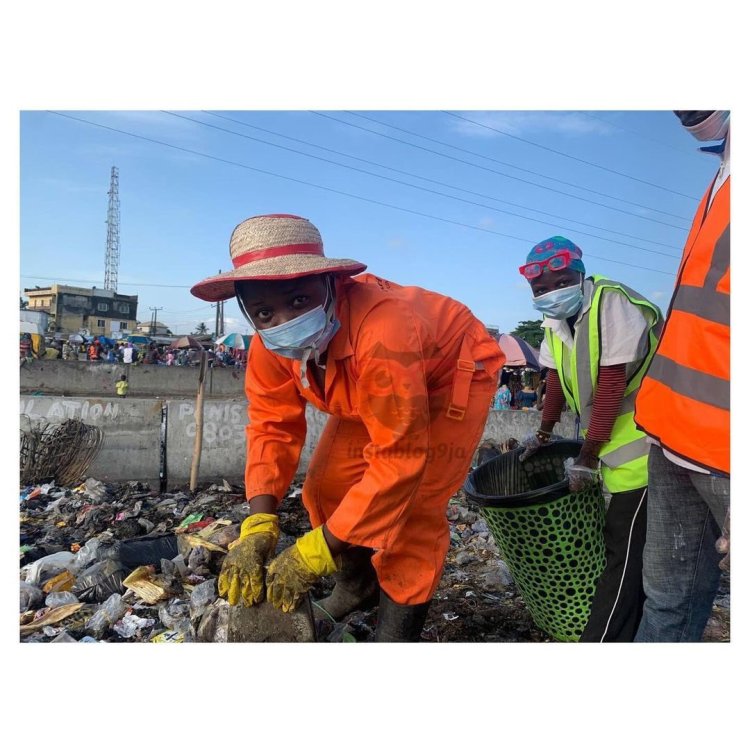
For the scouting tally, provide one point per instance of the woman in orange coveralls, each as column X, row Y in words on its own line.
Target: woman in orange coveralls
column 408, row 377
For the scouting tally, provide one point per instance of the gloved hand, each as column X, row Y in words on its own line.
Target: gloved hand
column 531, row 443
column 241, row 574
column 722, row 545
column 293, row 572
column 579, row 476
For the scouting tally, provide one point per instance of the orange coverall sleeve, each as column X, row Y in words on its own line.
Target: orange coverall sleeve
column 277, row 426
column 393, row 403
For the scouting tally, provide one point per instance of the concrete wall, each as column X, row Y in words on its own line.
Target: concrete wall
column 131, row 442
column 82, row 378
column 131, row 447
column 223, row 450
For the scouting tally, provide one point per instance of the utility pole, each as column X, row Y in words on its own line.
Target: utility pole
column 112, row 256
column 152, row 328
column 219, row 324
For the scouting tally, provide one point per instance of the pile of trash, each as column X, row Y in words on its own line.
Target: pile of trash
column 119, row 563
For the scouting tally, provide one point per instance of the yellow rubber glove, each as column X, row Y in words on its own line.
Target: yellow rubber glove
column 241, row 574
column 293, row 572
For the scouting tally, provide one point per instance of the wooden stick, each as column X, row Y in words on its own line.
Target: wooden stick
column 198, row 444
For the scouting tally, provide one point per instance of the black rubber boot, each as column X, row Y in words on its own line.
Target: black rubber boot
column 399, row 623
column 356, row 585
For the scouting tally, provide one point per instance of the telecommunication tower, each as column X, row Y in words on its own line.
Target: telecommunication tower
column 112, row 258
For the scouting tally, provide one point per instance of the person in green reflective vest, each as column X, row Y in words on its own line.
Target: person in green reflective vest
column 600, row 337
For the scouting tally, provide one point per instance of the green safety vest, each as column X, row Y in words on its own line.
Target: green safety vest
column 624, row 458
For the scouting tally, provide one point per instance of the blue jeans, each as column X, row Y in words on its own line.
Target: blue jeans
column 680, row 564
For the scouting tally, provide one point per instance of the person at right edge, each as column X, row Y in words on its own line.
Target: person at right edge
column 600, row 336
column 683, row 406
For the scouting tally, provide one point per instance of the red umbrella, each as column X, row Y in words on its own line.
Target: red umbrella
column 518, row 352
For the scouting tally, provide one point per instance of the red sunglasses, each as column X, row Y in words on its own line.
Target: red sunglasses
column 557, row 262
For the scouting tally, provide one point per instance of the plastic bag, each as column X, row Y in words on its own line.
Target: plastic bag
column 57, row 561
column 31, row 597
column 64, row 637
column 95, row 489
column 111, row 611
column 99, row 581
column 58, row 598
column 148, row 550
column 202, row 595
column 87, row 553
column 131, row 624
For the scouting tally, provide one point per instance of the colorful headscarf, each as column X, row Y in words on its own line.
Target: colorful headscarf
column 551, row 246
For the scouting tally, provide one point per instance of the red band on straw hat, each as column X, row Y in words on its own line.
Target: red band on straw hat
column 312, row 249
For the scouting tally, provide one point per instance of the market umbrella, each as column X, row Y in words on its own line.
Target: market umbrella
column 186, row 342
column 235, row 340
column 139, row 339
column 518, row 352
column 75, row 339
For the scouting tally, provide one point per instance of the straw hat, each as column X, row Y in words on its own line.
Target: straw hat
column 273, row 247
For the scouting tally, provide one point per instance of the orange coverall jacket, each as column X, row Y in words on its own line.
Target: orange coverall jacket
column 402, row 366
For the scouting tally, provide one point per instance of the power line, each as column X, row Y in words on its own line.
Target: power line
column 508, row 164
column 570, row 156
column 428, row 190
column 415, row 175
column 333, row 190
column 120, row 282
column 640, row 135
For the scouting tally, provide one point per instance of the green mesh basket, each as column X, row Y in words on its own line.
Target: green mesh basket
column 551, row 538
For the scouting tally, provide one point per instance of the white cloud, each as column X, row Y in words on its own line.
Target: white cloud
column 486, row 222
column 658, row 295
column 525, row 123
column 396, row 242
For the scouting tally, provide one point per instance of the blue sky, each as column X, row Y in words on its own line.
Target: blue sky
column 622, row 184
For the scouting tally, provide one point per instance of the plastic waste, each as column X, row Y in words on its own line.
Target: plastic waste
column 87, row 553
column 214, row 626
column 131, row 624
column 98, row 582
column 173, row 613
column 64, row 637
column 58, row 598
column 110, row 612
column 202, row 595
column 148, row 550
column 57, row 561
column 95, row 489
column 31, row 597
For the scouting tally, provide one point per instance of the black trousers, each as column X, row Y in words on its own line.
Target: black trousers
column 618, row 599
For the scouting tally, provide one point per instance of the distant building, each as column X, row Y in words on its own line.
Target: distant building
column 144, row 328
column 93, row 311
column 34, row 322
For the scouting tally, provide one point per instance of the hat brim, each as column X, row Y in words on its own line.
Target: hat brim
column 221, row 287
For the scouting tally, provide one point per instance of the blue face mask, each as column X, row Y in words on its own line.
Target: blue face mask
column 561, row 303
column 300, row 337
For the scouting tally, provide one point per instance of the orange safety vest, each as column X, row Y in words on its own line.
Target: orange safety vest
column 684, row 397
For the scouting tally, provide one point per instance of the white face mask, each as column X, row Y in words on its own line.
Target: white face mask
column 714, row 128
column 560, row 303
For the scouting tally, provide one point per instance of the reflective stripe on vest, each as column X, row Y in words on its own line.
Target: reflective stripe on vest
column 685, row 397
column 624, row 456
